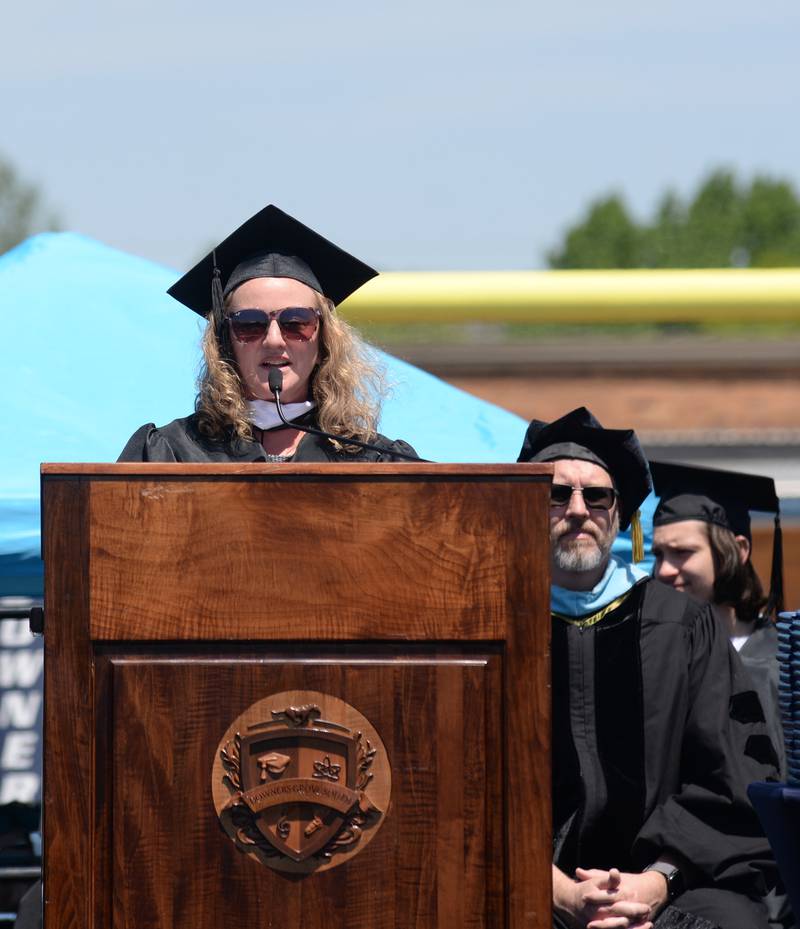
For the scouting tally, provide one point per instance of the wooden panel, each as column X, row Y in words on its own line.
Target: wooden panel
column 392, row 552
column 380, row 470
column 527, row 691
column 430, row 863
column 313, row 558
column 69, row 784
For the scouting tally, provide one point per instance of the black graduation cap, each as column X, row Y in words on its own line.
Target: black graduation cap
column 271, row 244
column 724, row 498
column 580, row 435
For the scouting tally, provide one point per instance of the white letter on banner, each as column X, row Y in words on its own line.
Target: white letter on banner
column 19, row 709
column 24, row 788
column 19, row 750
column 20, row 669
column 15, row 633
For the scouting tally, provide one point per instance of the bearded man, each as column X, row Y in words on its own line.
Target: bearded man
column 656, row 728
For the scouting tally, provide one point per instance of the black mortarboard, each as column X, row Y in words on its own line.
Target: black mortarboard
column 272, row 244
column 724, row 498
column 580, row 435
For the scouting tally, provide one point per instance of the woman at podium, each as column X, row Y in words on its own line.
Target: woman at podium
column 284, row 378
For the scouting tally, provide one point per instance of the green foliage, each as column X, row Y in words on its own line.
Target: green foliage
column 608, row 238
column 725, row 224
column 20, row 209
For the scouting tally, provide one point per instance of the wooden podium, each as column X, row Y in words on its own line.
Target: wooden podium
column 205, row 624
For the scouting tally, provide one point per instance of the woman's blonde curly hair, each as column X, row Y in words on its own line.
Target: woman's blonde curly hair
column 347, row 384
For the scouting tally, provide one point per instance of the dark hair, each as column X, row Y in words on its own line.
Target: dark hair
column 736, row 584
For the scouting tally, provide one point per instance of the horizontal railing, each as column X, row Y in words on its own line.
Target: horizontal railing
column 586, row 297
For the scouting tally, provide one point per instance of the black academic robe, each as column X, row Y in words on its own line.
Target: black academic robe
column 656, row 734
column 181, row 440
column 759, row 655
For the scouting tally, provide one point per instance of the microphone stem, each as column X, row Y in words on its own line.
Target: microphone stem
column 276, row 392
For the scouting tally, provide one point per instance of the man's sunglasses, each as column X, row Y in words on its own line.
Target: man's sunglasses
column 297, row 323
column 597, row 498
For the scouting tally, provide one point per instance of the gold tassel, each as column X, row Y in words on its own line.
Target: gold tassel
column 637, row 538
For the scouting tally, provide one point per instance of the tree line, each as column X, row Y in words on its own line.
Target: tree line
column 726, row 223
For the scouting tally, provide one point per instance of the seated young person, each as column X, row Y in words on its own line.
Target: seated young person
column 702, row 545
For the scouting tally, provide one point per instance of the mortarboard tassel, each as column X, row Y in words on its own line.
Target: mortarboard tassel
column 637, row 538
column 775, row 602
column 217, row 300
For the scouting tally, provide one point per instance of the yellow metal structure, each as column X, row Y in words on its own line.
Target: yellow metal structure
column 599, row 297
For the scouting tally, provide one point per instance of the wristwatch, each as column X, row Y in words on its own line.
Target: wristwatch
column 675, row 882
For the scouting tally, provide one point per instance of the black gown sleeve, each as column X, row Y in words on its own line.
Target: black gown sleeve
column 147, row 444
column 759, row 655
column 398, row 445
column 317, row 448
column 709, row 822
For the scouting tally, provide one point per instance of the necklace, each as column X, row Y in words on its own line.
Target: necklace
column 268, row 455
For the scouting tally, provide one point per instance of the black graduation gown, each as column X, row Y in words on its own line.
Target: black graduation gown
column 180, row 440
column 759, row 655
column 656, row 734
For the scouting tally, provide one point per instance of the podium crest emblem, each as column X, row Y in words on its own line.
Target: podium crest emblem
column 301, row 781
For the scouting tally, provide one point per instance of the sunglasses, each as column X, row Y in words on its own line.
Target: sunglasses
column 596, row 498
column 297, row 323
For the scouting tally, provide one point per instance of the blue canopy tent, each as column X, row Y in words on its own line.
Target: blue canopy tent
column 93, row 347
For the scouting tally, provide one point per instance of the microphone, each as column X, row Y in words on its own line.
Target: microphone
column 275, row 382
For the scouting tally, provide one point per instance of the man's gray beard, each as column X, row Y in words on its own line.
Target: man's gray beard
column 578, row 558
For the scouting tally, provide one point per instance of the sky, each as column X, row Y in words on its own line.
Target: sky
column 423, row 135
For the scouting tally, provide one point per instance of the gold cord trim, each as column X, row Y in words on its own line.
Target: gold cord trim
column 637, row 538
column 595, row 617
